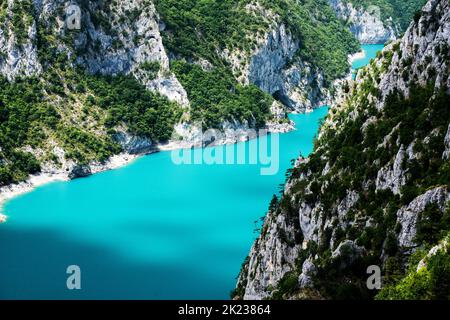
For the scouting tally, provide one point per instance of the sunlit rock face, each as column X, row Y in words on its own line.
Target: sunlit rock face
column 367, row 27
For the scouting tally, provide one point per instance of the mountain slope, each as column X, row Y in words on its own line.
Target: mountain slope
column 136, row 74
column 376, row 21
column 292, row 50
column 376, row 188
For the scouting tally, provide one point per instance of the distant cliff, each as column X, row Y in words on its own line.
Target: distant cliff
column 375, row 191
column 376, row 22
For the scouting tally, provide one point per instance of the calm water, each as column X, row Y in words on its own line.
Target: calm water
column 151, row 230
column 371, row 52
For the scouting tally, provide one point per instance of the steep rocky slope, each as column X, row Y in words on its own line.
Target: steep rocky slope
column 376, row 189
column 376, row 21
column 289, row 49
column 113, row 39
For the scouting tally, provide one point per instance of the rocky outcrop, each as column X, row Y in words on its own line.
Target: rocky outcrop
column 19, row 54
column 133, row 144
column 80, row 171
column 443, row 246
column 421, row 55
column 125, row 44
column 271, row 257
column 311, row 218
column 408, row 216
column 367, row 27
column 392, row 176
column 275, row 69
column 446, row 154
column 347, row 253
column 306, row 278
column 135, row 42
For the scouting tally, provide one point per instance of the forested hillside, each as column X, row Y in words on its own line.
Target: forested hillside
column 204, row 29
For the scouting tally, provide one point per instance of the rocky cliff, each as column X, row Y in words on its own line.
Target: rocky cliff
column 376, row 188
column 275, row 67
column 375, row 22
column 278, row 49
column 113, row 38
column 367, row 27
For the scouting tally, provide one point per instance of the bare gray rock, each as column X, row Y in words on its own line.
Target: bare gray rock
column 393, row 175
column 80, row 171
column 366, row 26
column 408, row 216
column 306, row 278
column 133, row 144
column 446, row 154
column 347, row 252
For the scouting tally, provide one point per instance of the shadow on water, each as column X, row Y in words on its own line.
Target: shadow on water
column 104, row 275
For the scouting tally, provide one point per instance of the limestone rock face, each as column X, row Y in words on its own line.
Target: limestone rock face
column 305, row 280
column 132, row 144
column 367, row 27
column 408, row 216
column 274, row 67
column 423, row 49
column 268, row 63
column 446, row 154
column 392, row 176
column 347, row 252
column 271, row 258
column 19, row 56
column 310, row 220
column 139, row 42
column 80, row 171
column 123, row 46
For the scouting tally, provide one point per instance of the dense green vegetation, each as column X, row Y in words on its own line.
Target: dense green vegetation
column 128, row 102
column 70, row 108
column 22, row 116
column 401, row 11
column 429, row 282
column 200, row 29
column 215, row 96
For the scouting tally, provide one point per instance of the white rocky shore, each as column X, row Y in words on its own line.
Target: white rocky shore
column 50, row 175
column 11, row 191
column 357, row 56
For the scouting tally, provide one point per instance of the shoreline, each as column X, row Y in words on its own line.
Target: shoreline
column 14, row 190
column 11, row 191
column 357, row 56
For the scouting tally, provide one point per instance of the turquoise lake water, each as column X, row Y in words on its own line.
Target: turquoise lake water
column 370, row 53
column 150, row 230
